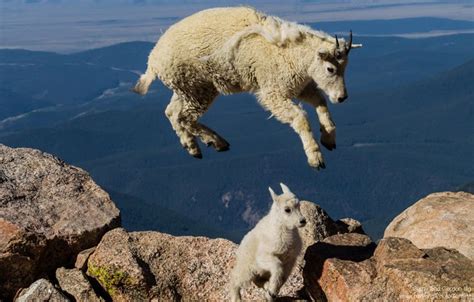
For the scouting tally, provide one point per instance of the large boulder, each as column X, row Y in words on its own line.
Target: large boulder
column 141, row 266
column 347, row 268
column 49, row 211
column 440, row 219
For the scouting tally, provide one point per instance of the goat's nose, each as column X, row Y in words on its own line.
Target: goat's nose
column 303, row 222
column 342, row 98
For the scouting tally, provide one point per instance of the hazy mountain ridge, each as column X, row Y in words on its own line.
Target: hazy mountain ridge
column 395, row 26
column 45, row 79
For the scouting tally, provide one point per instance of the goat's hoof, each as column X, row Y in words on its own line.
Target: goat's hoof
column 219, row 146
column 199, row 155
column 270, row 297
column 223, row 148
column 329, row 146
column 319, row 168
column 328, row 139
column 317, row 164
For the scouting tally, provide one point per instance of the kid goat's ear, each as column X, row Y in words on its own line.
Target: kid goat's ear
column 272, row 193
column 285, row 189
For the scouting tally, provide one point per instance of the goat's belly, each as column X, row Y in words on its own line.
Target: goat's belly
column 227, row 84
column 228, row 79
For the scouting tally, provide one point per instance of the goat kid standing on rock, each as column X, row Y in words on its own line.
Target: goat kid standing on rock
column 232, row 50
column 267, row 254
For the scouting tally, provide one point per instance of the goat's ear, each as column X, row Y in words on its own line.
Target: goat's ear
column 323, row 54
column 272, row 193
column 285, row 189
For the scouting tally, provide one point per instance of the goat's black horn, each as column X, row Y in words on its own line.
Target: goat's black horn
column 337, row 42
column 348, row 48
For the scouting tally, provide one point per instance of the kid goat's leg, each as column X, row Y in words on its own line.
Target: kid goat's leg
column 287, row 112
column 187, row 140
column 313, row 96
column 235, row 293
column 275, row 267
column 193, row 108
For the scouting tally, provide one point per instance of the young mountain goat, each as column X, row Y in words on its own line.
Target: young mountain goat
column 268, row 252
column 231, row 50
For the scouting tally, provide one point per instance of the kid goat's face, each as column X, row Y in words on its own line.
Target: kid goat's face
column 287, row 207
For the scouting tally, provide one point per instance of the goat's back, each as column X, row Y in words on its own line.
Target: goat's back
column 202, row 33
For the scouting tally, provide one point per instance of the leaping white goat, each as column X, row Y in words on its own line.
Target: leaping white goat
column 231, row 50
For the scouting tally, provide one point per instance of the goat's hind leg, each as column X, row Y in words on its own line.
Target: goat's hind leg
column 188, row 141
column 193, row 109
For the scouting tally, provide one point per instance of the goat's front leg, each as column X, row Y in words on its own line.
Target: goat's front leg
column 313, row 96
column 287, row 112
column 273, row 265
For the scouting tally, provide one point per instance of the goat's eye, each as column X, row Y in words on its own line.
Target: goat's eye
column 288, row 210
column 330, row 69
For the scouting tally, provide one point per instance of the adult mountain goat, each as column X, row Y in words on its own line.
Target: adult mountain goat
column 267, row 254
column 231, row 50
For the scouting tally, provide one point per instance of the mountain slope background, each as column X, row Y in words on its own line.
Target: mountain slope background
column 405, row 131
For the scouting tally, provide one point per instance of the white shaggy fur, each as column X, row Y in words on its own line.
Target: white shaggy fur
column 231, row 50
column 267, row 254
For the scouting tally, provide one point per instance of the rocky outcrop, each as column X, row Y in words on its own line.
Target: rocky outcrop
column 75, row 284
column 41, row 290
column 440, row 219
column 347, row 268
column 320, row 225
column 82, row 258
column 49, row 211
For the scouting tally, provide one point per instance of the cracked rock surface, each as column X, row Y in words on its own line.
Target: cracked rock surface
column 440, row 219
column 49, row 211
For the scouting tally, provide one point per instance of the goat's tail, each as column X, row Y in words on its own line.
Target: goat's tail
column 144, row 82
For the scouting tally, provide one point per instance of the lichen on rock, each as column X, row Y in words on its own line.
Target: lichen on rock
column 110, row 278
